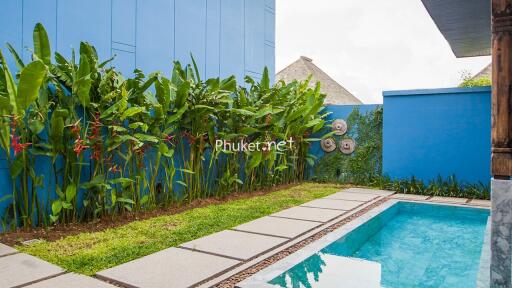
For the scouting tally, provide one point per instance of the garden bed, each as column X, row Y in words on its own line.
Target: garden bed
column 89, row 252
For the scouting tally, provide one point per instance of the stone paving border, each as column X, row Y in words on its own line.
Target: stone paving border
column 71, row 280
column 6, row 250
column 308, row 214
column 334, row 204
column 170, row 268
column 277, row 227
column 19, row 270
column 242, row 246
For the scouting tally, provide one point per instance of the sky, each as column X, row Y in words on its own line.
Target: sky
column 370, row 46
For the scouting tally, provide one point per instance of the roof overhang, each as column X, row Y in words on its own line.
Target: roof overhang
column 466, row 24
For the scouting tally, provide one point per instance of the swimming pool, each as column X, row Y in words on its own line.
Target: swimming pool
column 405, row 244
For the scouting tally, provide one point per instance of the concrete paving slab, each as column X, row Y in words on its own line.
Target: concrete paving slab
column 240, row 245
column 448, row 200
column 71, row 280
column 170, row 268
column 309, row 213
column 409, row 197
column 370, row 191
column 332, row 204
column 281, row 227
column 19, row 269
column 353, row 196
column 478, row 202
column 6, row 250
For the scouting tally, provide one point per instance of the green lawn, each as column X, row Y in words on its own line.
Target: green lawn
column 88, row 253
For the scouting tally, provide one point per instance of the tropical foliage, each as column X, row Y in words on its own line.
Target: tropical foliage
column 83, row 142
column 469, row 81
column 366, row 161
column 449, row 187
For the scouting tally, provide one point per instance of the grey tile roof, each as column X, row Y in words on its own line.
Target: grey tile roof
column 304, row 67
column 486, row 72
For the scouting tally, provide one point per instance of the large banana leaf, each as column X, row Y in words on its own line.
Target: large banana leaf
column 82, row 85
column 42, row 48
column 31, row 79
column 8, row 82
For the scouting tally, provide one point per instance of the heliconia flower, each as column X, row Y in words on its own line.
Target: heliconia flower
column 17, row 146
column 170, row 138
column 75, row 129
column 114, row 169
column 96, row 154
column 79, row 146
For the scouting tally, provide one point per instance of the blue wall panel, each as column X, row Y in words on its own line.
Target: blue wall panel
column 254, row 36
column 124, row 61
column 438, row 132
column 11, row 31
column 232, row 44
column 155, row 35
column 88, row 21
column 124, row 21
column 42, row 11
column 213, row 38
column 270, row 34
column 226, row 37
column 190, row 29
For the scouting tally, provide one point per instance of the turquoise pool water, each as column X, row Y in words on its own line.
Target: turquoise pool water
column 417, row 245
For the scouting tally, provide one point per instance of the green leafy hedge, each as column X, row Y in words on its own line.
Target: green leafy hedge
column 116, row 144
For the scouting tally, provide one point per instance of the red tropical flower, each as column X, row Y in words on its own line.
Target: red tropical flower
column 114, row 169
column 79, row 146
column 17, row 146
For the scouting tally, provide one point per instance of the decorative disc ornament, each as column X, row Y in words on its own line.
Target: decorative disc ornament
column 339, row 127
column 347, row 146
column 328, row 145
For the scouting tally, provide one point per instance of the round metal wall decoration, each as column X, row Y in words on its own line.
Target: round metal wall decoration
column 347, row 146
column 328, row 145
column 339, row 126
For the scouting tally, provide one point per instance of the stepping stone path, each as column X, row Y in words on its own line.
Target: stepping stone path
column 170, row 268
column 354, row 196
column 335, row 204
column 6, row 250
column 242, row 245
column 71, row 280
column 21, row 269
column 309, row 214
column 280, row 227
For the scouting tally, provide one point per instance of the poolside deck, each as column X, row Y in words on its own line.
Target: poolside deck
column 210, row 260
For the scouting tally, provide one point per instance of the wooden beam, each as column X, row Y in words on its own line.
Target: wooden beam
column 501, row 134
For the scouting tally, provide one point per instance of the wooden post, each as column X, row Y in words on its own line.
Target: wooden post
column 501, row 154
column 501, row 159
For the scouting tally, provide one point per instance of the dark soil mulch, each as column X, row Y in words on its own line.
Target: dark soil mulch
column 60, row 231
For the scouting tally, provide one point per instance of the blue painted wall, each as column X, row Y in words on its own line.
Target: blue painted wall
column 438, row 132
column 226, row 37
